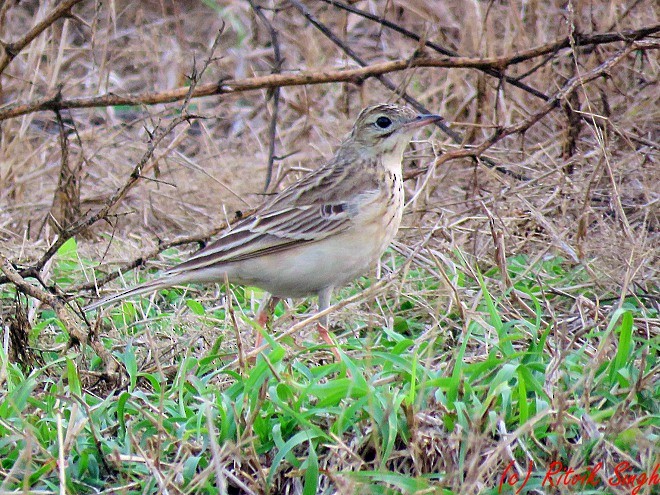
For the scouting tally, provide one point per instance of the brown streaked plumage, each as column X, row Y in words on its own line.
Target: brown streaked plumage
column 320, row 232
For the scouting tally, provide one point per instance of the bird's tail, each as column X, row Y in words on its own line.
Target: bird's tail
column 159, row 283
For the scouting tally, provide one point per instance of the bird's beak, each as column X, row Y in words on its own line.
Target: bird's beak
column 422, row 120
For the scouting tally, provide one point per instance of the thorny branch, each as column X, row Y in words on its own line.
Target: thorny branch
column 16, row 277
column 232, row 86
column 134, row 177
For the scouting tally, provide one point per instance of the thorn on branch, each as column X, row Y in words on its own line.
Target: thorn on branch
column 498, row 133
column 11, row 50
column 54, row 103
column 193, row 73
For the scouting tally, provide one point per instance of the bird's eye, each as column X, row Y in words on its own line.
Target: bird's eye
column 383, row 122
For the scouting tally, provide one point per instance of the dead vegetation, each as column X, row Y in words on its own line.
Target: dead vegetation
column 139, row 126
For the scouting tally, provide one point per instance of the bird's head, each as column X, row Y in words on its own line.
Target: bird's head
column 388, row 128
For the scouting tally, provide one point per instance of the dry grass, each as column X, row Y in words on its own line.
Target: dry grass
column 210, row 169
column 591, row 194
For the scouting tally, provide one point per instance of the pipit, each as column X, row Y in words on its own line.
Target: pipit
column 319, row 233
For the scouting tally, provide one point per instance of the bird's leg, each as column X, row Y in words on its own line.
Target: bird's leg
column 264, row 314
column 322, row 325
column 323, row 333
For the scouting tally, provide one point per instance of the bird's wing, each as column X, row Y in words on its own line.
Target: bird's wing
column 320, row 205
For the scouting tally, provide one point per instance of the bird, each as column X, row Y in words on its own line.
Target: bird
column 320, row 232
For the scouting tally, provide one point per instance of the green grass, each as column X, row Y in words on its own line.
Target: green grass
column 415, row 407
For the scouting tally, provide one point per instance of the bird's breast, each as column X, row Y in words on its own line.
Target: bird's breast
column 381, row 212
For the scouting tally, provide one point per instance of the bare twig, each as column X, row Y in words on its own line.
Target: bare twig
column 8, row 51
column 232, row 86
column 275, row 93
